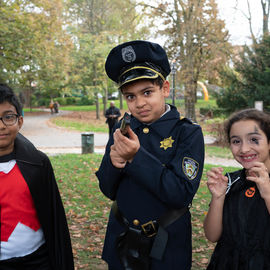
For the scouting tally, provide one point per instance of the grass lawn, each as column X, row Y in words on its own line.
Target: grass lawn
column 216, row 151
column 79, row 126
column 87, row 210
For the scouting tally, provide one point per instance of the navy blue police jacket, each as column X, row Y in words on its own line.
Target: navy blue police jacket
column 164, row 174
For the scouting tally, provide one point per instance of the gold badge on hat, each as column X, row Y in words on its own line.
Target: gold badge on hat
column 190, row 167
column 166, row 143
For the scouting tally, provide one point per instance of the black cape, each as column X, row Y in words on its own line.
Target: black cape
column 38, row 173
column 245, row 239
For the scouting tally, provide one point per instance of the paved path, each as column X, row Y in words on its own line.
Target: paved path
column 54, row 140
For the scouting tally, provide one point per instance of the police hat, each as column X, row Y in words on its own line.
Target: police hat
column 136, row 60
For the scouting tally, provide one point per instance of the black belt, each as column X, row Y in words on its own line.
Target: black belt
column 154, row 227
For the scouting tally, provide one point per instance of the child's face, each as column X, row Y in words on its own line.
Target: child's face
column 8, row 133
column 145, row 100
column 249, row 144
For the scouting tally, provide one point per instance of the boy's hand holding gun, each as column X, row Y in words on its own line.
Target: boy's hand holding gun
column 126, row 144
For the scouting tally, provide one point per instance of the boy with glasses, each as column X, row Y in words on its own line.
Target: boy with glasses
column 34, row 231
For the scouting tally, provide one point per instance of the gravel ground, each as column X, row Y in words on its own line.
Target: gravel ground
column 54, row 140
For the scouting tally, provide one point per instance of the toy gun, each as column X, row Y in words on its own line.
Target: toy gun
column 125, row 123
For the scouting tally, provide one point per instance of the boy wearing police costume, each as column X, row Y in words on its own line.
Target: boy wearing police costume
column 152, row 173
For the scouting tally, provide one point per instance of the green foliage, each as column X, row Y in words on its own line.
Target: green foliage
column 250, row 80
column 65, row 101
column 43, row 102
column 102, row 25
column 34, row 46
column 86, row 101
column 231, row 99
column 75, row 108
column 84, row 108
column 70, row 101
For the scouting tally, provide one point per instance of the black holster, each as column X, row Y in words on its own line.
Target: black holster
column 133, row 249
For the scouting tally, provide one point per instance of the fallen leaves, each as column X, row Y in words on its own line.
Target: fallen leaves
column 86, row 208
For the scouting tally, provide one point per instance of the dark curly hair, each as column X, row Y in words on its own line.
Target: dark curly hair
column 7, row 95
column 262, row 118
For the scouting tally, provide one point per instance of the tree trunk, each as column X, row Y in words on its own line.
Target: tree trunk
column 190, row 101
column 30, row 98
column 105, row 100
column 265, row 9
column 97, row 106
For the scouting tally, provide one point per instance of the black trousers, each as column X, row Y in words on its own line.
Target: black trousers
column 111, row 123
column 38, row 260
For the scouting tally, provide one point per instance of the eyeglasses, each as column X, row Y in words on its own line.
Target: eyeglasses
column 9, row 119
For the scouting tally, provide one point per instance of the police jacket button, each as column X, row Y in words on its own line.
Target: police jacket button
column 146, row 130
column 136, row 222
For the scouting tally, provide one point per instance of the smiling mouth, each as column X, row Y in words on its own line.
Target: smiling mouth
column 248, row 158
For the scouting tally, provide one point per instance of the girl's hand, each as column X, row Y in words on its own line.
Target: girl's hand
column 260, row 175
column 217, row 183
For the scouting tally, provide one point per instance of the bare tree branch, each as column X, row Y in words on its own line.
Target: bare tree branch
column 250, row 24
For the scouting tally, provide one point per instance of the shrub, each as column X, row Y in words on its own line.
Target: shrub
column 43, row 102
column 61, row 100
column 70, row 100
column 212, row 112
column 86, row 101
column 217, row 125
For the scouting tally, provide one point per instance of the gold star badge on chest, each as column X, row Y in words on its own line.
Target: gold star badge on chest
column 166, row 143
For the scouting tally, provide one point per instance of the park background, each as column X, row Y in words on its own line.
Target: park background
column 56, row 49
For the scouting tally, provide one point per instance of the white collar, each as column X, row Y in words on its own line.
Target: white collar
column 6, row 167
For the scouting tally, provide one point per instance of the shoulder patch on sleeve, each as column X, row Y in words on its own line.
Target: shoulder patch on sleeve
column 190, row 167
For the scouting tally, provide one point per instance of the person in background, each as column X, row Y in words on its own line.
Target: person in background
column 51, row 105
column 112, row 114
column 239, row 214
column 153, row 173
column 56, row 106
column 34, row 230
